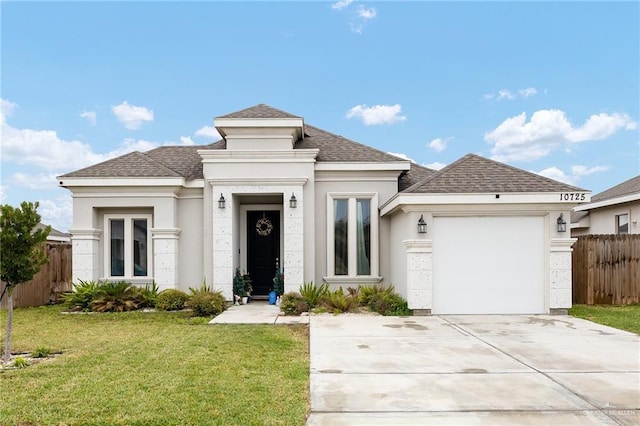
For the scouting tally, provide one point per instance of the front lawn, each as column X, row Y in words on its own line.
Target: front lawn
column 154, row 369
column 622, row 317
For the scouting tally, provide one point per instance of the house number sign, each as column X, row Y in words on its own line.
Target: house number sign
column 264, row 227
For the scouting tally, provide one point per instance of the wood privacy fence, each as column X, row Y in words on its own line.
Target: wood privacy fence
column 46, row 286
column 606, row 269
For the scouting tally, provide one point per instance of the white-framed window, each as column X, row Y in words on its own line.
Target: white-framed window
column 622, row 223
column 128, row 246
column 352, row 235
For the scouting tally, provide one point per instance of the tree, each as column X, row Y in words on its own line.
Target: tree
column 21, row 253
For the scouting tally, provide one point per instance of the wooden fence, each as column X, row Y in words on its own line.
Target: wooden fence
column 606, row 270
column 53, row 279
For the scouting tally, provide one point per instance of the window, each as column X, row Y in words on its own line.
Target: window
column 352, row 245
column 128, row 253
column 622, row 224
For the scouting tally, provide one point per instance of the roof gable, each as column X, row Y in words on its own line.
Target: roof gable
column 475, row 174
column 259, row 111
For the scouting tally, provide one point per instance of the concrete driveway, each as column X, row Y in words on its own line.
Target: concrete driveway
column 472, row 370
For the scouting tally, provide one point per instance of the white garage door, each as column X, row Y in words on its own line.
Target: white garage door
column 488, row 265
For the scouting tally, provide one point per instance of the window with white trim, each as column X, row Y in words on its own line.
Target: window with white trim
column 127, row 246
column 622, row 223
column 352, row 231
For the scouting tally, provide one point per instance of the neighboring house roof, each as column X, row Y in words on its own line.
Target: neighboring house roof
column 259, row 111
column 54, row 234
column 475, row 174
column 629, row 187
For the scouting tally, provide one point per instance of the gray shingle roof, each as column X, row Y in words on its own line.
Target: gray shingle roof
column 133, row 164
column 260, row 111
column 414, row 175
column 628, row 187
column 475, row 174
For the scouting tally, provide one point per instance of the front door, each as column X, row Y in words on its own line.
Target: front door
column 263, row 248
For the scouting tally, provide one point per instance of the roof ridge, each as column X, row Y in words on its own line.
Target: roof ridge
column 439, row 172
column 235, row 114
column 612, row 192
column 156, row 162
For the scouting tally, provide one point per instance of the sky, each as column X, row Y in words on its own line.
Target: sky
column 548, row 87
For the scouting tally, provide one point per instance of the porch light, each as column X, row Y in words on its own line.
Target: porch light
column 422, row 225
column 562, row 224
column 221, row 202
column 293, row 203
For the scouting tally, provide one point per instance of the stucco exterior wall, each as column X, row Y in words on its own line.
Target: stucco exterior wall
column 191, row 252
column 603, row 220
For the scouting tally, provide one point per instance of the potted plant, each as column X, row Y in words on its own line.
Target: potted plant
column 238, row 287
column 248, row 288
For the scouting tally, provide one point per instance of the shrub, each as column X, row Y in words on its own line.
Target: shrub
column 312, row 294
column 238, row 284
column 207, row 304
column 339, row 302
column 116, row 296
column 171, row 300
column 372, row 292
column 41, row 352
column 148, row 295
column 387, row 302
column 82, row 295
column 293, row 304
column 204, row 288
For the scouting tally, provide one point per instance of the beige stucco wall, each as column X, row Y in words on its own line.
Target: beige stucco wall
column 603, row 220
column 191, row 242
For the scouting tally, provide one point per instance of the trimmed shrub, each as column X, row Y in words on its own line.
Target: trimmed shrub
column 312, row 294
column 388, row 303
column 206, row 304
column 373, row 292
column 171, row 300
column 293, row 304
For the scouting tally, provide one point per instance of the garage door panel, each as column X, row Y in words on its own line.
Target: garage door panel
column 488, row 264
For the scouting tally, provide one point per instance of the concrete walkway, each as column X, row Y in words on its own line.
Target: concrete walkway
column 472, row 370
column 256, row 312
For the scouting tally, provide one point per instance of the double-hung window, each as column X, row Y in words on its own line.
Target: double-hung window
column 352, row 230
column 128, row 249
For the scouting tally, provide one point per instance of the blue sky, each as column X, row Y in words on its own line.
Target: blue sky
column 548, row 87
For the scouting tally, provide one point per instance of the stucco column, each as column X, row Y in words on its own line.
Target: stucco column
column 293, row 253
column 222, row 242
column 165, row 257
column 560, row 280
column 419, row 275
column 85, row 254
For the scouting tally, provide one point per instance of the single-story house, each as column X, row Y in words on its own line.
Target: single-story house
column 478, row 236
column 613, row 211
column 55, row 236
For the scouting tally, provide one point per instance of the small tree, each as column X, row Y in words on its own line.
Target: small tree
column 21, row 254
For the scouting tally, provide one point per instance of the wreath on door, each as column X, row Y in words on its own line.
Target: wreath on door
column 264, row 227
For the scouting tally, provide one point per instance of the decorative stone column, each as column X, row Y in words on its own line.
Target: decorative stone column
column 293, row 228
column 560, row 295
column 419, row 275
column 165, row 257
column 85, row 254
column 223, row 242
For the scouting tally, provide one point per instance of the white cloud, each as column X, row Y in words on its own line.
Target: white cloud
column 515, row 139
column 362, row 16
column 90, row 116
column 436, row 165
column 439, row 144
column 186, row 140
column 6, row 109
column 577, row 171
column 365, row 13
column 34, row 181
column 132, row 116
column 377, row 114
column 508, row 95
column 403, row 156
column 529, row 91
column 341, row 4
column 208, row 132
column 3, row 193
column 58, row 212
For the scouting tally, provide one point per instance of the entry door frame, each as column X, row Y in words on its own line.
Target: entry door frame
column 244, row 208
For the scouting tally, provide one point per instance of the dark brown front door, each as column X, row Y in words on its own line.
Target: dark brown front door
column 263, row 248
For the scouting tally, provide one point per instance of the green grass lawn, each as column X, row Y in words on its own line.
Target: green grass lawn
column 622, row 317
column 154, row 369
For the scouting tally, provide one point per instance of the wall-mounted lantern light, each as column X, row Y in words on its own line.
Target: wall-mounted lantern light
column 562, row 224
column 293, row 203
column 422, row 225
column 221, row 202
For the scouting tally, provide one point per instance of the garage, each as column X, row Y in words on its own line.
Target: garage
column 489, row 265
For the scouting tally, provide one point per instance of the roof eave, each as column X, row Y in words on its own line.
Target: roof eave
column 610, row 202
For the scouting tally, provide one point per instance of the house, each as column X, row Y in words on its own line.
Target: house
column 614, row 211
column 55, row 236
column 476, row 237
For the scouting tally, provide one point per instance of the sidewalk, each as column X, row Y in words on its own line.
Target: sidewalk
column 257, row 312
